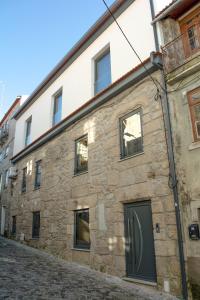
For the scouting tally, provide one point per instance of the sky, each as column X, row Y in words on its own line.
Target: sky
column 35, row 35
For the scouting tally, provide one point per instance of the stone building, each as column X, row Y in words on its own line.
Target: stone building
column 179, row 25
column 7, row 134
column 92, row 157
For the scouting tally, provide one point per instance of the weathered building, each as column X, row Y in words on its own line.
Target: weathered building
column 92, row 157
column 180, row 32
column 7, row 134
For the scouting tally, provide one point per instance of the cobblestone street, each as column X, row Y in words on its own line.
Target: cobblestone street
column 27, row 273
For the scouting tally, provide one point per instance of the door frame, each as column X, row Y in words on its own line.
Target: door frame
column 140, row 201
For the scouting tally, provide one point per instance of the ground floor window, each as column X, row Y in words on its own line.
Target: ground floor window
column 82, row 231
column 36, row 225
column 14, row 224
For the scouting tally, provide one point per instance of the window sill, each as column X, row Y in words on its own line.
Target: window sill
column 80, row 173
column 81, row 249
column 129, row 157
column 194, row 145
column 35, row 238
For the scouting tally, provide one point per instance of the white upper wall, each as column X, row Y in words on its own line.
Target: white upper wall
column 77, row 82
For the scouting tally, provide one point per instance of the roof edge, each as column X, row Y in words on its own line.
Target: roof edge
column 115, row 8
column 17, row 100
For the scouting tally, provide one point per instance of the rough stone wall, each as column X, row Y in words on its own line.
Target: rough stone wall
column 108, row 184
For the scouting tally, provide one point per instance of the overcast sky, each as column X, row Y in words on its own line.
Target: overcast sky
column 35, row 35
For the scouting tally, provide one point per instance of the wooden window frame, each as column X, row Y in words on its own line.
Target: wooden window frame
column 192, row 103
column 34, row 235
column 194, row 17
column 77, row 243
column 122, row 148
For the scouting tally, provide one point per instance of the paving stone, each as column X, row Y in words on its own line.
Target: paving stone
column 30, row 274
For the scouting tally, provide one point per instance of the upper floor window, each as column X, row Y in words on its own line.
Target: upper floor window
column 131, row 134
column 194, row 104
column 24, row 173
column 28, row 131
column 38, row 173
column 36, row 225
column 6, row 178
column 102, row 72
column 81, row 154
column 190, row 29
column 57, row 108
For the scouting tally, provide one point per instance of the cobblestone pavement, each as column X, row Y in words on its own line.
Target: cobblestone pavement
column 27, row 273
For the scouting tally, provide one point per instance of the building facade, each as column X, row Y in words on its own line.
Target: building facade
column 91, row 156
column 7, row 135
column 179, row 26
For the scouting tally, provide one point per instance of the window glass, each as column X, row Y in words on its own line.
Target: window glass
column 57, row 109
column 131, row 134
column 36, row 224
column 6, row 178
column 82, row 232
column 81, row 155
column 14, row 225
column 102, row 72
column 38, row 174
column 28, row 132
column 24, row 173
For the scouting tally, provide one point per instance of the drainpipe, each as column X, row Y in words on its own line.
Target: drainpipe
column 172, row 166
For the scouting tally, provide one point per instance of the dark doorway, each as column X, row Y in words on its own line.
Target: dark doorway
column 140, row 253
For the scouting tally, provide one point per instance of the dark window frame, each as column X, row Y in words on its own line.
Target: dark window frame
column 14, row 225
column 38, row 166
column 35, row 228
column 77, row 170
column 77, row 243
column 27, row 140
column 55, row 97
column 96, row 61
column 122, row 148
column 24, row 179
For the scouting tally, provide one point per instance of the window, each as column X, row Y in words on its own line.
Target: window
column 24, row 173
column 38, row 173
column 6, row 178
column 190, row 29
column 81, row 155
column 7, row 151
column 102, row 72
column 36, row 225
column 57, row 108
column 131, row 134
column 82, row 231
column 194, row 104
column 28, row 131
column 0, row 182
column 14, row 219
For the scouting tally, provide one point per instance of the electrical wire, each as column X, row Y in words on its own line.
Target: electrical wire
column 133, row 49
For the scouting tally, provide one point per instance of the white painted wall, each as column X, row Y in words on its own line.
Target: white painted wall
column 77, row 80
